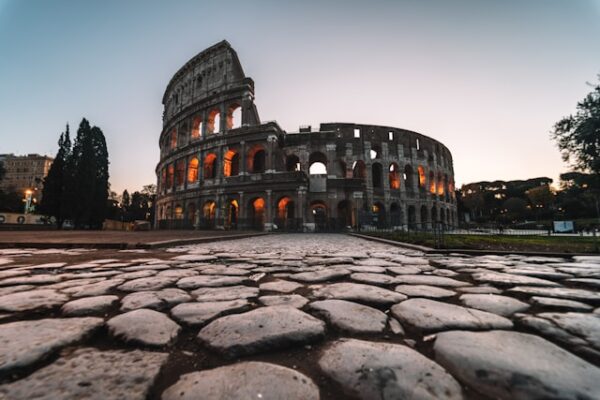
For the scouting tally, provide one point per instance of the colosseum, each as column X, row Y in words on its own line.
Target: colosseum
column 221, row 167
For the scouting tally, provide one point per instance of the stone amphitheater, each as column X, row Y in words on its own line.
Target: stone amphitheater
column 221, row 167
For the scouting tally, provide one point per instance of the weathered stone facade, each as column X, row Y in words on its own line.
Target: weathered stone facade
column 221, row 167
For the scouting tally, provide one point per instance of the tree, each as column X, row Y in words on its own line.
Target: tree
column 54, row 183
column 2, row 171
column 578, row 136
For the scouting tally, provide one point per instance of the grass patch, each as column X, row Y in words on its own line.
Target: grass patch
column 553, row 244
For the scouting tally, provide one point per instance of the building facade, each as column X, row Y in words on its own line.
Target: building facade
column 220, row 167
column 25, row 174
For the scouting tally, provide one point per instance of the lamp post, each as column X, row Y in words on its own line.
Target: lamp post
column 28, row 194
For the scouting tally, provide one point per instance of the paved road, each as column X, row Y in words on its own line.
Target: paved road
column 296, row 317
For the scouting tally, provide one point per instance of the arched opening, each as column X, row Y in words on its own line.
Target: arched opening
column 210, row 166
column 359, row 170
column 441, row 185
column 342, row 169
column 173, row 138
column 192, row 175
column 213, row 123
column 292, row 163
column 412, row 217
column 178, row 211
column 395, row 214
column 168, row 213
column 422, row 178
column 377, row 171
column 231, row 163
column 394, row 176
column 232, row 214
column 431, row 182
column 318, row 212
column 379, row 215
column 191, row 213
column 286, row 213
column 196, row 128
column 234, row 116
column 424, row 217
column 163, row 179
column 170, row 176
column 408, row 178
column 180, row 172
column 208, row 214
column 375, row 152
column 256, row 160
column 256, row 213
column 345, row 215
column 434, row 216
column 317, row 164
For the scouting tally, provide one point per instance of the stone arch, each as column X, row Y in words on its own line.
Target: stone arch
column 179, row 172
column 342, row 168
column 234, row 116
column 377, row 175
column 232, row 213
column 319, row 214
column 394, row 176
column 191, row 212
column 395, row 214
column 257, row 159
column 213, row 123
column 210, row 166
column 173, row 138
column 408, row 177
column 317, row 164
column 422, row 178
column 375, row 152
column 431, row 182
column 379, row 214
column 196, row 128
column 178, row 211
column 256, row 212
column 286, row 212
column 292, row 163
column 231, row 163
column 170, row 176
column 192, row 173
column 209, row 211
column 359, row 170
column 345, row 214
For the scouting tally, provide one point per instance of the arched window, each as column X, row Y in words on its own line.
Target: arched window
column 408, row 177
column 441, row 186
column 208, row 211
column 234, row 116
column 179, row 172
column 191, row 212
column 163, row 179
column 210, row 166
column 394, row 176
column 431, row 182
column 173, row 138
column 359, row 170
column 377, row 172
column 178, row 211
column 422, row 178
column 170, row 175
column 256, row 160
column 342, row 166
column 317, row 164
column 292, row 163
column 196, row 128
column 192, row 175
column 231, row 163
column 214, row 121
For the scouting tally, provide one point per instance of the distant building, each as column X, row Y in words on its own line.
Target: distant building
column 25, row 173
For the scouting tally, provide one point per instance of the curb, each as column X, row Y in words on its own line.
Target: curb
column 394, row 243
column 181, row 242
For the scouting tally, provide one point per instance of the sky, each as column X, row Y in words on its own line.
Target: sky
column 487, row 78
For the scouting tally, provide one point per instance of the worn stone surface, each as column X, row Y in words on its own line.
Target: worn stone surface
column 430, row 280
column 370, row 370
column 292, row 300
column 549, row 302
column 430, row 315
column 280, row 286
column 225, row 293
column 510, row 279
column 96, row 305
column 23, row 343
column 432, row 292
column 265, row 328
column 350, row 317
column 201, row 313
column 89, row 373
column 246, row 380
column 357, row 292
column 194, row 282
column 501, row 305
column 562, row 293
column 320, row 275
column 512, row 365
column 147, row 327
column 156, row 300
column 31, row 300
column 150, row 283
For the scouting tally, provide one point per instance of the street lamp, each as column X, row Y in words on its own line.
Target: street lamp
column 28, row 194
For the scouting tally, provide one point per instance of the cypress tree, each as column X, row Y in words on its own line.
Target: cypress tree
column 54, row 183
column 100, row 178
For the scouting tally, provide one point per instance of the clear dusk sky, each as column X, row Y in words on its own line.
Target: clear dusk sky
column 487, row 78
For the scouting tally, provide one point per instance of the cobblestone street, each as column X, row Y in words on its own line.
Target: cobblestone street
column 303, row 316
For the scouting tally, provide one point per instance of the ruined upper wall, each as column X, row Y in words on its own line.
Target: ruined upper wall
column 212, row 77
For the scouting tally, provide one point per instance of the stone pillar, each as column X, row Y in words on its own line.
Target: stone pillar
column 220, row 157
column 269, row 164
column 331, row 167
column 243, row 162
column 203, row 130
column 301, row 206
column 269, row 211
column 242, row 211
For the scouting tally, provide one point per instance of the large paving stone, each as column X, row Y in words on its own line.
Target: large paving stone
column 559, row 292
column 201, row 313
column 194, row 282
column 195, row 257
column 280, row 286
column 96, row 305
column 583, row 325
column 430, row 315
column 225, row 293
column 370, row 370
column 31, row 300
column 350, row 317
column 292, row 300
column 432, row 292
column 146, row 284
column 357, row 292
column 430, row 280
column 93, row 289
column 501, row 305
column 156, row 300
column 91, row 374
column 371, row 278
column 265, row 328
column 31, row 280
column 147, row 327
column 512, row 365
column 504, row 279
column 560, row 304
column 246, row 380
column 321, row 275
column 23, row 343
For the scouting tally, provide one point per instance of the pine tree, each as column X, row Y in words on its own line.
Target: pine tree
column 54, row 183
column 101, row 185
